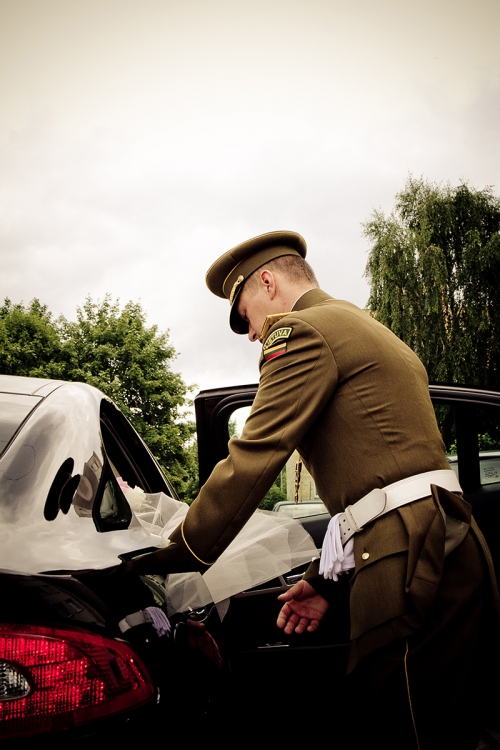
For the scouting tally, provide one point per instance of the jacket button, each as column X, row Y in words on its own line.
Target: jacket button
column 365, row 555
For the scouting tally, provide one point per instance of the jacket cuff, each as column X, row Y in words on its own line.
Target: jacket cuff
column 321, row 585
column 176, row 558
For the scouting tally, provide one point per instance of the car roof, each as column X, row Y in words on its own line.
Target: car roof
column 22, row 386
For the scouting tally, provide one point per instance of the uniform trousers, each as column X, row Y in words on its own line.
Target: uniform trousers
column 426, row 691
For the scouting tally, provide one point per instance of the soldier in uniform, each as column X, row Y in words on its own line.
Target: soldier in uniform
column 353, row 399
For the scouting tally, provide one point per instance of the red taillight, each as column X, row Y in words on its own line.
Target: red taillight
column 53, row 679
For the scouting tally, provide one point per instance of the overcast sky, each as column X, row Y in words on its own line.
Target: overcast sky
column 141, row 139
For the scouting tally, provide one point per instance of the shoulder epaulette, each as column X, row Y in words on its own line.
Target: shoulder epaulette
column 269, row 322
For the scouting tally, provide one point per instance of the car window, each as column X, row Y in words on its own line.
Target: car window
column 472, row 438
column 112, row 510
column 237, row 421
column 489, row 463
column 128, row 456
column 280, row 497
column 488, row 429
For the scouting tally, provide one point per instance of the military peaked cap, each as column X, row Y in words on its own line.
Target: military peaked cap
column 226, row 277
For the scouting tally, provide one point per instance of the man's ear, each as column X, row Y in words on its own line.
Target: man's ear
column 268, row 280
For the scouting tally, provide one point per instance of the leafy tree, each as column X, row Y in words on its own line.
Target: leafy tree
column 433, row 268
column 113, row 350
column 30, row 342
column 275, row 494
column 191, row 482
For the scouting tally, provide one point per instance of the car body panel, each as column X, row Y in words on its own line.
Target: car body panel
column 65, row 424
column 28, row 386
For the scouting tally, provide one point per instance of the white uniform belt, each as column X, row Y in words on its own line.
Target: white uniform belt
column 378, row 502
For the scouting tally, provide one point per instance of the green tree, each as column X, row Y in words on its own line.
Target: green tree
column 30, row 341
column 113, row 350
column 433, row 269
column 275, row 494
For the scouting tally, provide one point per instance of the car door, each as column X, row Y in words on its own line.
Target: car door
column 469, row 420
column 257, row 651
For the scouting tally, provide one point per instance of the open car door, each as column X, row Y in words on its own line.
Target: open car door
column 256, row 650
column 289, row 668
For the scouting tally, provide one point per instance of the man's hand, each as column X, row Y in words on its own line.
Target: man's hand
column 303, row 610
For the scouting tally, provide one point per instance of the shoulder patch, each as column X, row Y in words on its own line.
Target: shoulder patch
column 275, row 351
column 275, row 344
column 277, row 335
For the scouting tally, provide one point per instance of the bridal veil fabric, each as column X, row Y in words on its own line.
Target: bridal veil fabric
column 269, row 545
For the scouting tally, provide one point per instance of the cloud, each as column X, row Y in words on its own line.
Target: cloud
column 139, row 142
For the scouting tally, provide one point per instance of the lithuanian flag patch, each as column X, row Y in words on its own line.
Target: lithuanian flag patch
column 275, row 351
column 275, row 344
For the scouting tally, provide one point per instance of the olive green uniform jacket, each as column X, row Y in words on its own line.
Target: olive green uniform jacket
column 353, row 399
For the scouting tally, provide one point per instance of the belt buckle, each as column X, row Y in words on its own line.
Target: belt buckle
column 351, row 520
column 367, row 509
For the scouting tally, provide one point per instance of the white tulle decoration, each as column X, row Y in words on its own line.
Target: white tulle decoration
column 268, row 546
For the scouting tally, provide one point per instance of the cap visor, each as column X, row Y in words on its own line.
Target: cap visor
column 238, row 325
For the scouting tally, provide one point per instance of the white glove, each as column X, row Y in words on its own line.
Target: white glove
column 335, row 559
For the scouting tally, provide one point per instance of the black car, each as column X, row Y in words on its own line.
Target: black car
column 76, row 659
column 68, row 664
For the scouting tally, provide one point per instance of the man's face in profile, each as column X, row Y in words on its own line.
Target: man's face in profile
column 254, row 306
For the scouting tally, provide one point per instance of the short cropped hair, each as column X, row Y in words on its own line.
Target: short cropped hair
column 294, row 268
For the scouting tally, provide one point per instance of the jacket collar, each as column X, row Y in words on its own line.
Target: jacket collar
column 310, row 298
